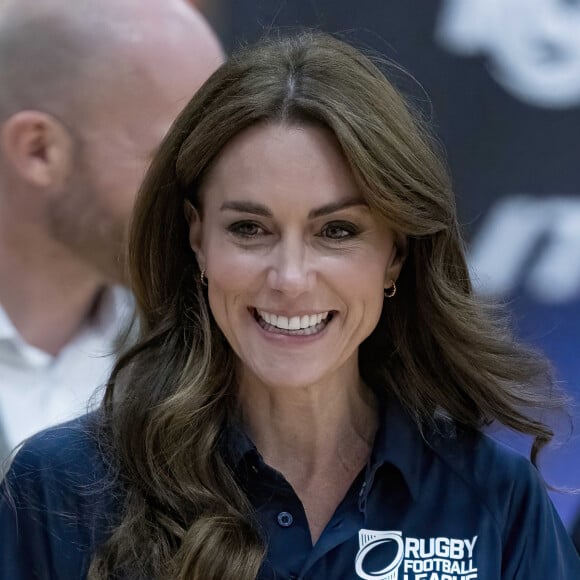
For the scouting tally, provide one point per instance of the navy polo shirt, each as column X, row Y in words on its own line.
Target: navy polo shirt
column 439, row 506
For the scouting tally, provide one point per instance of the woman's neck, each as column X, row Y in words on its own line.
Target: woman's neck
column 308, row 431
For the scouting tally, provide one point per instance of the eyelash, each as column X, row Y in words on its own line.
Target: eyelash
column 350, row 229
column 240, row 230
column 237, row 229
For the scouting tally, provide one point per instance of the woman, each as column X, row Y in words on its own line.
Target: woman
column 313, row 374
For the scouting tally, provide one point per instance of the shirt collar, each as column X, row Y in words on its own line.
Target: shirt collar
column 7, row 330
column 10, row 336
column 113, row 307
column 398, row 442
column 238, row 444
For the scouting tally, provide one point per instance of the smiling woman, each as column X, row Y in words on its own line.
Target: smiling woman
column 308, row 394
column 296, row 262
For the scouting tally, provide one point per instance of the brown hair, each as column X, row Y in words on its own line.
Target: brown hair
column 436, row 347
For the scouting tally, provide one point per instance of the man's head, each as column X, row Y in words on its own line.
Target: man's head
column 87, row 91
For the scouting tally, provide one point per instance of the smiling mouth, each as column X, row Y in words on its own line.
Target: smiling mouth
column 305, row 325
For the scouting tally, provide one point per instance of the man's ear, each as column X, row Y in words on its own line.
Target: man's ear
column 38, row 147
column 195, row 231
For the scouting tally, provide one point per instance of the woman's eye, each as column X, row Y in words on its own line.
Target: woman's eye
column 246, row 229
column 339, row 231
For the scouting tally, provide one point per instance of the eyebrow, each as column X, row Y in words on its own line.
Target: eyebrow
column 262, row 210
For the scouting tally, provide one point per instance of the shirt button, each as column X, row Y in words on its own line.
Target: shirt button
column 285, row 519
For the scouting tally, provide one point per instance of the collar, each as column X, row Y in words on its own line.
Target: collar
column 398, row 442
column 7, row 330
column 114, row 305
column 10, row 336
column 238, row 445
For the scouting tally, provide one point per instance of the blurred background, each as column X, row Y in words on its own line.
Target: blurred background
column 500, row 82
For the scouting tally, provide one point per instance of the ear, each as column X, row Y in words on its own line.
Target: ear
column 38, row 147
column 396, row 260
column 195, row 231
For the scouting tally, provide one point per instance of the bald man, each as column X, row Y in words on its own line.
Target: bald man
column 87, row 91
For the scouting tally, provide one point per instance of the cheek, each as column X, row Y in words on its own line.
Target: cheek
column 233, row 278
column 363, row 290
column 227, row 266
column 117, row 173
column 361, row 282
column 362, row 271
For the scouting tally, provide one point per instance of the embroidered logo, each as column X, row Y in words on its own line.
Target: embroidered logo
column 369, row 540
column 416, row 558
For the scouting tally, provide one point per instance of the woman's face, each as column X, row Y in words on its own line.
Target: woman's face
column 295, row 260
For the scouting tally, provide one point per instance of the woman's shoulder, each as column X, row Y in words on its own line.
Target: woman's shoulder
column 500, row 478
column 484, row 480
column 515, row 493
column 463, row 455
column 493, row 469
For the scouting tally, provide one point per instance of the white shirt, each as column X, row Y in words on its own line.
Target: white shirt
column 38, row 390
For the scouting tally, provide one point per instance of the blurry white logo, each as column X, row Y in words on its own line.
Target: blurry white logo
column 371, row 539
column 532, row 46
column 530, row 241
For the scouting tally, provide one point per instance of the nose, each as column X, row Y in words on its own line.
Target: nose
column 290, row 272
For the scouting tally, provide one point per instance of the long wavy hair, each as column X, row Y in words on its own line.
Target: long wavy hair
column 436, row 348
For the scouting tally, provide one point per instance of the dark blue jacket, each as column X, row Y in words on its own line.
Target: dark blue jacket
column 450, row 506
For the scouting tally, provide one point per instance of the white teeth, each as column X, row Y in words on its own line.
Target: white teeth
column 294, row 323
column 305, row 322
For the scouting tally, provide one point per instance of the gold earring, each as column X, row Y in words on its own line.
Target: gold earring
column 391, row 290
column 203, row 278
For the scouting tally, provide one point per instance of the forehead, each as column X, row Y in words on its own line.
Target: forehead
column 276, row 163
